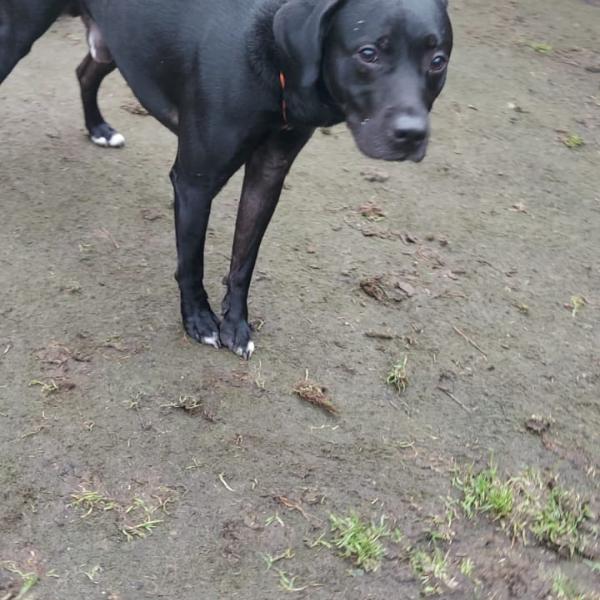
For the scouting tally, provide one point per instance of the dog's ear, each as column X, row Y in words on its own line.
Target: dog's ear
column 300, row 27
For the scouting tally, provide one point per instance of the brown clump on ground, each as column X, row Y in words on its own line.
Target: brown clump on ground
column 315, row 394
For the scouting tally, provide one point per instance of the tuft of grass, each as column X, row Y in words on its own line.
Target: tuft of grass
column 28, row 580
column 274, row 519
column 47, row 387
column 140, row 530
column 189, row 404
column 485, row 493
column 593, row 565
column 541, row 47
column 441, row 529
column 577, row 303
column 466, row 567
column 558, row 523
column 432, row 569
column 398, row 376
column 90, row 501
column 522, row 308
column 564, row 589
column 144, row 523
column 288, row 582
column 135, row 519
column 93, row 573
column 573, row 141
column 320, row 541
column 271, row 560
column 397, row 536
column 359, row 540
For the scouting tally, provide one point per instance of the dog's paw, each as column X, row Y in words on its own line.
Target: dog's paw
column 236, row 335
column 203, row 326
column 107, row 137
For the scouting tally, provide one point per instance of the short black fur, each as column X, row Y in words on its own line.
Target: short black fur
column 209, row 71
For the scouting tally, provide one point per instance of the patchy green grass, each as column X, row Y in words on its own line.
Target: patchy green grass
column 485, row 493
column 28, row 579
column 541, row 47
column 558, row 523
column 359, row 540
column 593, row 565
column 90, row 501
column 398, row 375
column 442, row 525
column 530, row 509
column 573, row 141
column 141, row 529
column 135, row 519
column 564, row 589
column 189, row 404
column 466, row 567
column 139, row 518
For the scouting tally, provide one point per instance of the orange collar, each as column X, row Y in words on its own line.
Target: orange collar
column 283, row 102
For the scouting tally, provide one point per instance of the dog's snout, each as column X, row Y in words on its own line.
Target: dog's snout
column 409, row 129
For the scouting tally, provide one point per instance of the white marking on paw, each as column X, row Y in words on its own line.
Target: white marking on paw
column 99, row 141
column 245, row 353
column 116, row 141
column 212, row 340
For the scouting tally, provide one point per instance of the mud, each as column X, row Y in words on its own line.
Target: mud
column 477, row 254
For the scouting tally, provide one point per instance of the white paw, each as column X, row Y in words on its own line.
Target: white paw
column 212, row 340
column 116, row 141
column 245, row 353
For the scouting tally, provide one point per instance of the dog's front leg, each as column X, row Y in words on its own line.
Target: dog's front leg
column 264, row 176
column 194, row 192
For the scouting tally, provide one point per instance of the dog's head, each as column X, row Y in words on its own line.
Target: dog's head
column 377, row 64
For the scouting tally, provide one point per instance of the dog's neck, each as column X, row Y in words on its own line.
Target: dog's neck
column 265, row 62
column 262, row 51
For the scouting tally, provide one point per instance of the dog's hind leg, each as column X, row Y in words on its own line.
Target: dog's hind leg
column 90, row 74
column 263, row 180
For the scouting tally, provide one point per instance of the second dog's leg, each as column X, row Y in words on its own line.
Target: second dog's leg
column 22, row 22
column 265, row 173
column 90, row 74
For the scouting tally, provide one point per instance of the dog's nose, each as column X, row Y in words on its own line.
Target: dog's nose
column 410, row 129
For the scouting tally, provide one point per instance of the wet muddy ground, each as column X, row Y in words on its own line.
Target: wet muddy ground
column 136, row 464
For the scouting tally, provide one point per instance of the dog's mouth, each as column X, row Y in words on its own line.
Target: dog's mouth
column 381, row 141
column 383, row 146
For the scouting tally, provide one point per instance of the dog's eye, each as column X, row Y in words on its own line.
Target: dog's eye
column 438, row 63
column 368, row 54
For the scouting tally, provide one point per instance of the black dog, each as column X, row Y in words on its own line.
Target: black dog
column 245, row 82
